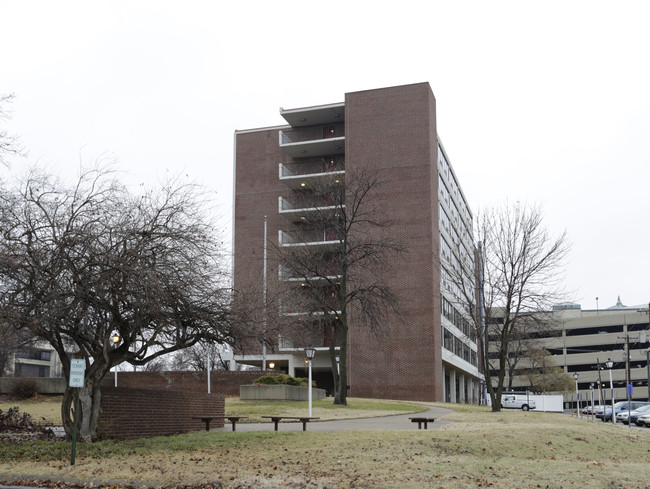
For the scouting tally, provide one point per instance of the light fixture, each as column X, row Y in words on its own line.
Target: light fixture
column 271, row 365
column 575, row 376
column 310, row 352
column 610, row 363
column 115, row 338
column 303, row 184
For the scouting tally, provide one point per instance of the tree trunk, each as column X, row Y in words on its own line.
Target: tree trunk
column 89, row 400
column 340, row 395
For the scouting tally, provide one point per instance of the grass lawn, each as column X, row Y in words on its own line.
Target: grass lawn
column 323, row 409
column 480, row 449
column 41, row 407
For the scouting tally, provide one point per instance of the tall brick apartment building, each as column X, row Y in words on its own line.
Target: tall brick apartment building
column 429, row 354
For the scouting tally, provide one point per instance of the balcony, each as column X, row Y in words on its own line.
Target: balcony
column 313, row 172
column 297, row 311
column 324, row 238
column 329, row 274
column 300, row 210
column 313, row 141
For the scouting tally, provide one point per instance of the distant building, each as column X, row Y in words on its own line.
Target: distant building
column 431, row 355
column 36, row 360
column 585, row 339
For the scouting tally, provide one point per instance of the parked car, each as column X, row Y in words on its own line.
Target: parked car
column 634, row 415
column 644, row 420
column 606, row 413
column 589, row 410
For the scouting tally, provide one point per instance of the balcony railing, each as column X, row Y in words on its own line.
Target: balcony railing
column 312, row 166
column 316, row 236
column 289, row 310
column 299, row 135
column 331, row 272
column 312, row 204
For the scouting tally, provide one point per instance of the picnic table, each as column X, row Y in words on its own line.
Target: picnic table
column 206, row 419
column 303, row 419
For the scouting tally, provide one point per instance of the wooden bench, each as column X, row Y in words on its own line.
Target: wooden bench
column 303, row 419
column 419, row 421
column 207, row 419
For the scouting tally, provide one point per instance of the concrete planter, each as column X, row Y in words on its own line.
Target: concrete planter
column 280, row 392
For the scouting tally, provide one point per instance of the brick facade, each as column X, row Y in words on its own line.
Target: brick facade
column 221, row 381
column 392, row 132
column 139, row 413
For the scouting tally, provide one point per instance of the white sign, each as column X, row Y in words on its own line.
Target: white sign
column 77, row 371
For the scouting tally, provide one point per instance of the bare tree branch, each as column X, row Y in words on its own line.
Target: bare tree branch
column 80, row 264
column 518, row 273
column 348, row 277
column 9, row 143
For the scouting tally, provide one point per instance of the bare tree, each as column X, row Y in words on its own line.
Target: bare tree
column 528, row 340
column 199, row 357
column 9, row 144
column 347, row 279
column 79, row 265
column 518, row 272
column 544, row 375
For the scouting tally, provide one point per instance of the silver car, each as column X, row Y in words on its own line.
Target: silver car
column 644, row 420
column 622, row 417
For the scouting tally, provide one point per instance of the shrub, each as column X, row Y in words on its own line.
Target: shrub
column 23, row 388
column 266, row 380
column 283, row 379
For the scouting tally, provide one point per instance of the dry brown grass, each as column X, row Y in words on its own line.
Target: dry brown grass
column 41, row 408
column 482, row 449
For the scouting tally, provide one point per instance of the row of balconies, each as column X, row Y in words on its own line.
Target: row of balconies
column 320, row 164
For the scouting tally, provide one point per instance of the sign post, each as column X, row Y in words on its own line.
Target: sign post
column 77, row 373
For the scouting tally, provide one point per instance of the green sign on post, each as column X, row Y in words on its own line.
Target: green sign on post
column 77, row 373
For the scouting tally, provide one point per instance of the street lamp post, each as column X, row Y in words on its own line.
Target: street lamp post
column 609, row 364
column 591, row 387
column 115, row 339
column 309, row 353
column 575, row 377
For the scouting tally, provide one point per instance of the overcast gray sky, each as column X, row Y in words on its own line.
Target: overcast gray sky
column 547, row 102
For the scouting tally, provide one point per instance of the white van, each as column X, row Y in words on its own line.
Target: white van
column 517, row 401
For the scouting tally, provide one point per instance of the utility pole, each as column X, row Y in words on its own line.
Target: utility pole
column 647, row 353
column 264, row 325
column 628, row 379
column 647, row 365
column 601, row 401
column 628, row 374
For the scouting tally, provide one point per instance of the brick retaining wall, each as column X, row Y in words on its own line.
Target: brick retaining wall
column 137, row 413
column 221, row 381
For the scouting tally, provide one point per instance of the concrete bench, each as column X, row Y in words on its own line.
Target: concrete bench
column 207, row 419
column 303, row 419
column 421, row 421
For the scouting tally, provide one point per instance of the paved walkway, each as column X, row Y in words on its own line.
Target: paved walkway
column 396, row 422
